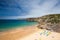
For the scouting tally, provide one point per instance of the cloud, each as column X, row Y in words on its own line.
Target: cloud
column 46, row 7
column 13, row 7
column 32, row 8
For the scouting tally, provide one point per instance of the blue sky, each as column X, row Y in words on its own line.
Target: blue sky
column 12, row 9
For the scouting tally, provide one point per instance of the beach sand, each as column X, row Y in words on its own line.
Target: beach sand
column 17, row 33
column 41, row 34
column 29, row 33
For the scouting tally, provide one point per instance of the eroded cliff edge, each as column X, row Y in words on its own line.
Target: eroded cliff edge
column 49, row 22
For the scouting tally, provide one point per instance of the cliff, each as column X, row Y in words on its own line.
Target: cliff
column 49, row 22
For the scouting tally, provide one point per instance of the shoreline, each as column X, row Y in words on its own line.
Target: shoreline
column 18, row 32
column 29, row 33
column 8, row 29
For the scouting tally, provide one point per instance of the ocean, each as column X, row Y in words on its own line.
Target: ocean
column 9, row 24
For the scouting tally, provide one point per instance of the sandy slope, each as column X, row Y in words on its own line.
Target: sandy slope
column 44, row 36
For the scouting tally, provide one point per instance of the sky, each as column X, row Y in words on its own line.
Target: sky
column 13, row 9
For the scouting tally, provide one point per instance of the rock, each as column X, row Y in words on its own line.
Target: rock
column 49, row 22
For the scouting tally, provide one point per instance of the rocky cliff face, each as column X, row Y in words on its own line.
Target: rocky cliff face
column 49, row 22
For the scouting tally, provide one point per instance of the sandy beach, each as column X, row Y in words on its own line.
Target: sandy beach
column 29, row 33
column 17, row 33
column 42, row 35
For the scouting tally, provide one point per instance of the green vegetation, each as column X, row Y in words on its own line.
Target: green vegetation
column 49, row 22
column 53, row 18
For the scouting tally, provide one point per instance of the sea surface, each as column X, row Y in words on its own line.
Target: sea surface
column 9, row 24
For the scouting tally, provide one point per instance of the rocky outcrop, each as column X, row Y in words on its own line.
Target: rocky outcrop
column 48, row 22
column 32, row 19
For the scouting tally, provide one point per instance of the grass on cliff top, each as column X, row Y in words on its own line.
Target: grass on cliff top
column 53, row 18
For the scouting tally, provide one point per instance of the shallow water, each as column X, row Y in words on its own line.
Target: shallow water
column 8, row 24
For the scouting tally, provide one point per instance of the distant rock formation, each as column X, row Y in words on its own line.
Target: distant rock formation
column 32, row 19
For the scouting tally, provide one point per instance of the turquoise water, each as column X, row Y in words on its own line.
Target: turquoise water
column 8, row 24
